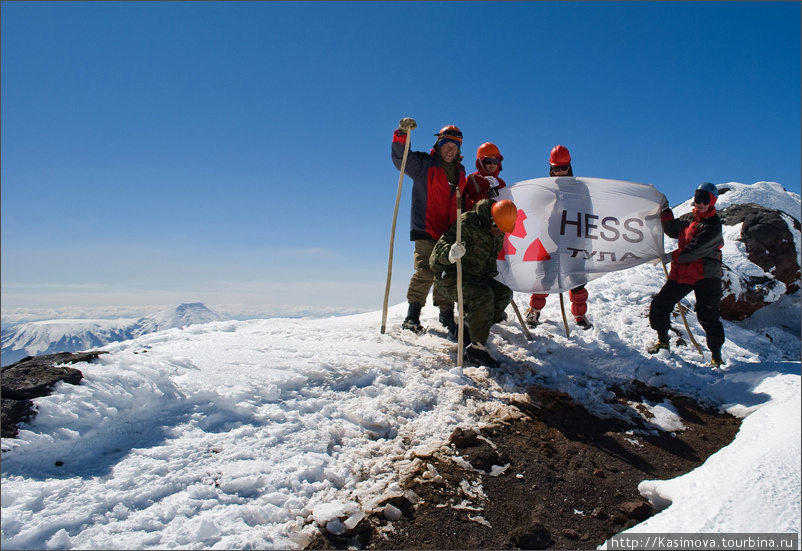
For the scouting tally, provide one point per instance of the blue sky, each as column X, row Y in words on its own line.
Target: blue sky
column 239, row 153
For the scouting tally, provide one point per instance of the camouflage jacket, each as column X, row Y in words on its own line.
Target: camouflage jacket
column 481, row 247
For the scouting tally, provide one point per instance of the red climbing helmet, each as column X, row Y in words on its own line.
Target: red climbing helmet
column 560, row 156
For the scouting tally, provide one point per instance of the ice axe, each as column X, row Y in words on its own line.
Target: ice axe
column 684, row 320
column 521, row 320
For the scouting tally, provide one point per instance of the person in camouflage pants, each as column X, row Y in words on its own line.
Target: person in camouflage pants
column 485, row 298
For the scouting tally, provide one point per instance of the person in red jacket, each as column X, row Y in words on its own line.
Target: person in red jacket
column 560, row 165
column 695, row 266
column 484, row 183
column 435, row 178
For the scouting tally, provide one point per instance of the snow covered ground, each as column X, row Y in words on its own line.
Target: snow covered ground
column 253, row 434
column 249, row 434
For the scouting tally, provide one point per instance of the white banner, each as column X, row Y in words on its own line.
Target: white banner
column 573, row 230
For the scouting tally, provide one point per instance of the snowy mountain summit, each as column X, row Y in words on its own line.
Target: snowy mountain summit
column 178, row 317
column 263, row 434
column 73, row 335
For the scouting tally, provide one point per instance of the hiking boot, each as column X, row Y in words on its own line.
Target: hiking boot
column 447, row 319
column 661, row 344
column 532, row 317
column 658, row 346
column 501, row 318
column 412, row 321
column 716, row 361
column 583, row 322
column 478, row 354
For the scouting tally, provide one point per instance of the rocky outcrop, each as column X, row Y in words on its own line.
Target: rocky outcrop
column 770, row 245
column 34, row 377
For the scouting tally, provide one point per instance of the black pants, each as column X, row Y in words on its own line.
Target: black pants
column 708, row 301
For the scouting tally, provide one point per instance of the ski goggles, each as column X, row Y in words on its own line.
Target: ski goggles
column 490, row 161
column 701, row 196
column 450, row 134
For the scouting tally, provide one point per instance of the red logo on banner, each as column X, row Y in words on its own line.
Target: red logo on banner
column 536, row 252
column 519, row 231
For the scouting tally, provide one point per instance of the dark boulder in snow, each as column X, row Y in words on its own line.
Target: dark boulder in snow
column 34, row 377
column 770, row 238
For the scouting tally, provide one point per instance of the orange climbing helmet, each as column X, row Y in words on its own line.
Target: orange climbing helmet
column 560, row 156
column 488, row 149
column 505, row 213
column 450, row 132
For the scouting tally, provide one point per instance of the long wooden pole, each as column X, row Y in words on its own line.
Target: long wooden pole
column 392, row 232
column 460, row 336
column 565, row 319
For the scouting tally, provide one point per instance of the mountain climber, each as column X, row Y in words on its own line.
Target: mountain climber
column 435, row 177
column 485, row 298
column 484, row 183
column 695, row 266
column 560, row 165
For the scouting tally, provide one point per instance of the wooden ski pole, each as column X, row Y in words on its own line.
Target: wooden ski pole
column 565, row 319
column 460, row 336
column 392, row 231
column 527, row 334
column 684, row 320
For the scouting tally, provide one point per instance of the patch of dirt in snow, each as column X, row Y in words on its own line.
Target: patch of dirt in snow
column 557, row 477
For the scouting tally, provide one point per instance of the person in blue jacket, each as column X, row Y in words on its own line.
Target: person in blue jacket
column 435, row 178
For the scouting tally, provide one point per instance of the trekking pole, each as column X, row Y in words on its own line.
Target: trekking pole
column 565, row 319
column 527, row 334
column 459, row 284
column 392, row 232
column 684, row 320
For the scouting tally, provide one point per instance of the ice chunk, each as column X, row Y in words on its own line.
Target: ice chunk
column 391, row 512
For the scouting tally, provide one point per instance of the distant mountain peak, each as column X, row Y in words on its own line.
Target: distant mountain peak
column 76, row 335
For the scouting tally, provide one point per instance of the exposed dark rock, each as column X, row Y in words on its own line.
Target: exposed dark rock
column 484, row 458
column 770, row 245
column 637, row 510
column 464, row 438
column 534, row 536
column 549, row 497
column 13, row 412
column 34, row 377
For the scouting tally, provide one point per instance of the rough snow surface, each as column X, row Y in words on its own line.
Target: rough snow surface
column 257, row 434
column 253, row 434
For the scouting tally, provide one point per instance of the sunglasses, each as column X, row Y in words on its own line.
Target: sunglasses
column 701, row 197
column 489, row 161
column 493, row 223
column 560, row 168
column 451, row 134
